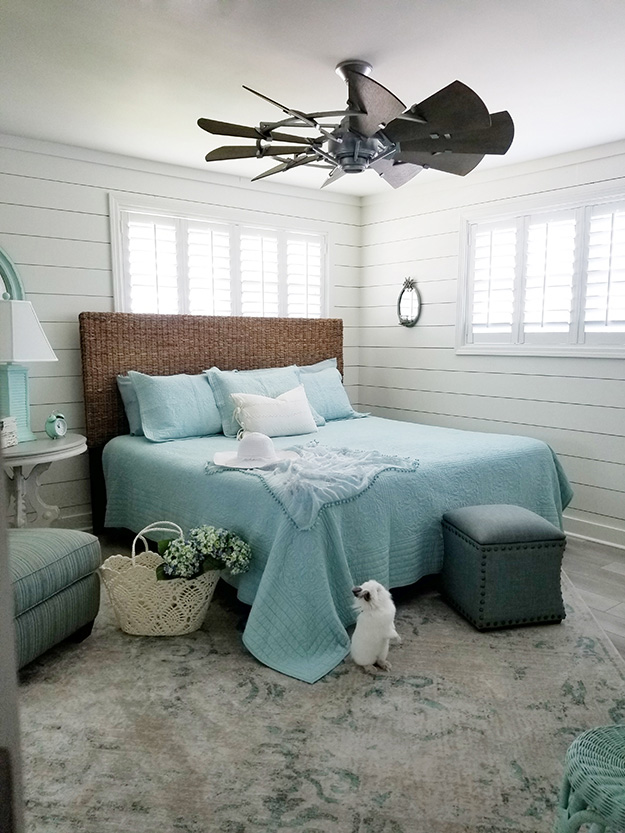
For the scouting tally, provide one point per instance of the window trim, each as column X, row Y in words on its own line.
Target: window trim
column 506, row 210
column 238, row 217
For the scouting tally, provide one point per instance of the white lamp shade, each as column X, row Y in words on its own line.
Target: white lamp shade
column 22, row 338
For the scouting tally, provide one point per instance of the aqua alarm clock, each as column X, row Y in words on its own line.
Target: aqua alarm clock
column 56, row 426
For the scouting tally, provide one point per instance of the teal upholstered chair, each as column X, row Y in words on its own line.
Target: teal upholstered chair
column 56, row 588
column 593, row 787
column 501, row 566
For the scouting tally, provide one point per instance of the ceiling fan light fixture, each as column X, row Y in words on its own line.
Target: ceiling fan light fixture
column 449, row 131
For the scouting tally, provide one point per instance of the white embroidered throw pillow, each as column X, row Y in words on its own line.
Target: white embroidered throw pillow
column 287, row 414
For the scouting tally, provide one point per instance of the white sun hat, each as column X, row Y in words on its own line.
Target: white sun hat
column 253, row 451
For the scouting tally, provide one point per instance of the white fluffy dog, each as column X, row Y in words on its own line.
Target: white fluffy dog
column 375, row 626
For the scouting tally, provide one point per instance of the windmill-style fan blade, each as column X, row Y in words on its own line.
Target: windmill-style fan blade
column 378, row 105
column 224, row 128
column 333, row 176
column 494, row 139
column 451, row 163
column 240, row 152
column 295, row 113
column 396, row 173
column 285, row 166
column 454, row 109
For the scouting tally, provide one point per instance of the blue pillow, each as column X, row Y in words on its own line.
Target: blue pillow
column 324, row 389
column 131, row 405
column 269, row 381
column 175, row 407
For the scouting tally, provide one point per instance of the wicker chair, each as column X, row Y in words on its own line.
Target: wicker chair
column 593, row 789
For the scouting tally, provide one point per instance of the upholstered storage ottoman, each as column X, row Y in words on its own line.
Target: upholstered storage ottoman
column 502, row 565
column 56, row 588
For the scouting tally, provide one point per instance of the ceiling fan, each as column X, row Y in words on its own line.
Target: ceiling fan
column 450, row 131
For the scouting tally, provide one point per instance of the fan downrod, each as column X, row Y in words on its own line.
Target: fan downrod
column 353, row 65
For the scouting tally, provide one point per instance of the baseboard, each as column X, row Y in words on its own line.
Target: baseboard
column 596, row 532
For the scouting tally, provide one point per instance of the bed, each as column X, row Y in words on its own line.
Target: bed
column 306, row 555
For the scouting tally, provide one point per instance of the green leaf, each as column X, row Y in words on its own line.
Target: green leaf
column 161, row 575
column 163, row 544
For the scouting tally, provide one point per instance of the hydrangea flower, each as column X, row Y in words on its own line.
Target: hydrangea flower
column 205, row 548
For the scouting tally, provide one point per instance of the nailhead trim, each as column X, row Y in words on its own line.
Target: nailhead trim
column 480, row 624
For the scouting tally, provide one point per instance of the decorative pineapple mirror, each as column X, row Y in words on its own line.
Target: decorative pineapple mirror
column 409, row 303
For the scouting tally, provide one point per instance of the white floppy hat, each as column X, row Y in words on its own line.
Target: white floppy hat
column 254, row 451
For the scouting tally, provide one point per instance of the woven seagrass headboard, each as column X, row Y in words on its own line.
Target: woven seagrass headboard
column 116, row 342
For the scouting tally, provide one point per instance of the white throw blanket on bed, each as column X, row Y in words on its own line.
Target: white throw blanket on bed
column 321, row 476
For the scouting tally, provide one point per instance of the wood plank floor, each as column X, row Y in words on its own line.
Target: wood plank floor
column 598, row 573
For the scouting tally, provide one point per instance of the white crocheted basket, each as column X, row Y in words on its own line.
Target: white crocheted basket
column 145, row 606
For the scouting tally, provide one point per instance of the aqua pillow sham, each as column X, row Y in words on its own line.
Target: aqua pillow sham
column 175, row 407
column 131, row 405
column 324, row 389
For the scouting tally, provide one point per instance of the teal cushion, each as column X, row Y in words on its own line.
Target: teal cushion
column 502, row 523
column 42, row 562
column 269, row 381
column 175, row 407
column 324, row 389
column 131, row 405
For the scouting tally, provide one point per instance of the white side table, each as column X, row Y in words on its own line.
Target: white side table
column 24, row 464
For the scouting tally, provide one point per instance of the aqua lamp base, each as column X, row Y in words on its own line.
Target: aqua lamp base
column 14, row 399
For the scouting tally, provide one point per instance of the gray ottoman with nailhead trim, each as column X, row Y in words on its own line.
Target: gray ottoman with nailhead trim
column 502, row 566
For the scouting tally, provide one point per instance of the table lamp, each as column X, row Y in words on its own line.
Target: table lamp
column 22, row 339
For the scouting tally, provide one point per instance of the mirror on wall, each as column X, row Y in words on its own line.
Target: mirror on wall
column 11, row 287
column 409, row 303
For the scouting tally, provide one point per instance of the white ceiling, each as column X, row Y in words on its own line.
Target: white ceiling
column 133, row 76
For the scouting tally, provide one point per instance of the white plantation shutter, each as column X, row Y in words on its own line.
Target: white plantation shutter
column 549, row 274
column 547, row 283
column 494, row 271
column 208, row 267
column 150, row 252
column 189, row 265
column 605, row 275
column 259, row 273
column 304, row 255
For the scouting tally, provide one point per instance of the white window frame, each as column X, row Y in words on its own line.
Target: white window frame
column 579, row 343
column 236, row 220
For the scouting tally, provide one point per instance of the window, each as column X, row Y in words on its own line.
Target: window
column 175, row 264
column 552, row 282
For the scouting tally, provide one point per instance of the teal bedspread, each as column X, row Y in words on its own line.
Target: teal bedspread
column 300, row 580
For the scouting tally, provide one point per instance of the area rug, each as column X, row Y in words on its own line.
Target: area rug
column 190, row 734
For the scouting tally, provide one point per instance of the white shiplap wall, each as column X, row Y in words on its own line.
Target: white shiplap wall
column 577, row 405
column 54, row 225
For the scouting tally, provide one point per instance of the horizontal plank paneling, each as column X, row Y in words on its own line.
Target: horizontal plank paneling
column 558, row 366
column 27, row 248
column 65, row 280
column 551, row 414
column 432, row 315
column 66, row 308
column 52, row 222
column 597, row 473
column 54, row 390
column 607, row 392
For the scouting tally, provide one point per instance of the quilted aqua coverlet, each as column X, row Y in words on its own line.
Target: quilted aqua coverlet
column 300, row 581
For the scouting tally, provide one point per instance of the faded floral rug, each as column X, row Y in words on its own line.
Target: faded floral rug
column 190, row 734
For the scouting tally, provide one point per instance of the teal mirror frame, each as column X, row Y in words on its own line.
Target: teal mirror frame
column 14, row 288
